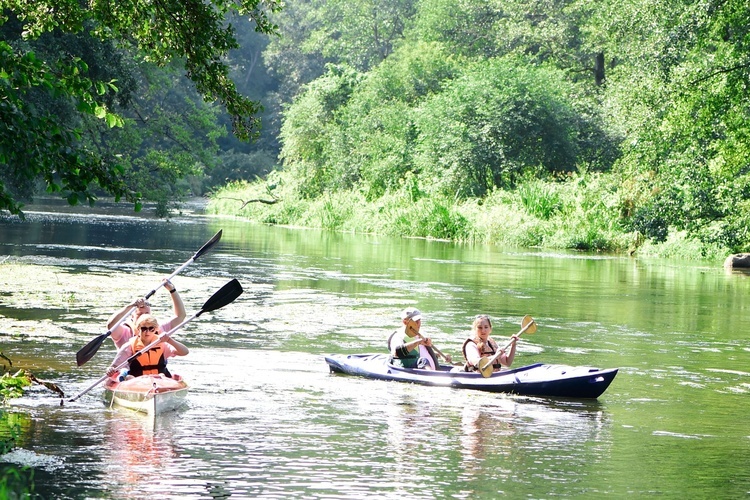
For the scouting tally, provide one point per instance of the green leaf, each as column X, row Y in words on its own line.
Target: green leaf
column 114, row 120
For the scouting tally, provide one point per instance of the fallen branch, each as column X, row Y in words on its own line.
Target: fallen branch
column 11, row 385
column 256, row 200
column 49, row 385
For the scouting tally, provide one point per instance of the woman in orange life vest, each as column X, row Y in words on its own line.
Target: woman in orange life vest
column 481, row 345
column 152, row 361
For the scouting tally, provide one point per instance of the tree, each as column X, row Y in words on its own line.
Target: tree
column 360, row 33
column 375, row 144
column 309, row 126
column 681, row 91
column 36, row 143
column 469, row 28
column 496, row 123
column 542, row 31
column 167, row 147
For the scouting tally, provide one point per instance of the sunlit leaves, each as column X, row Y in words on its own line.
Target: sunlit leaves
column 37, row 142
column 689, row 123
column 492, row 125
column 113, row 120
column 195, row 32
column 462, row 128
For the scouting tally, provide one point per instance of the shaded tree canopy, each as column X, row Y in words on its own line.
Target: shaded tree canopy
column 48, row 99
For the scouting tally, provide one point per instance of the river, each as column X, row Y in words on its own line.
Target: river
column 266, row 419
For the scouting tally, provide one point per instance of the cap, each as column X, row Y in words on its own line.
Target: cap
column 411, row 313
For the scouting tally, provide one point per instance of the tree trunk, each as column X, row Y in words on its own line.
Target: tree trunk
column 599, row 68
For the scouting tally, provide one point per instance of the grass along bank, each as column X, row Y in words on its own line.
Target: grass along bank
column 582, row 212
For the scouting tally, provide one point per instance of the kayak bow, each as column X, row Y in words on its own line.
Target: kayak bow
column 151, row 394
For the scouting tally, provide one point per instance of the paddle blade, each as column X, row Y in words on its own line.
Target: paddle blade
column 224, row 296
column 485, row 367
column 205, row 248
column 87, row 352
column 528, row 325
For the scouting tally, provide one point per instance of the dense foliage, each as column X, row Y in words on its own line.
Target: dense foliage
column 651, row 93
column 628, row 118
column 71, row 69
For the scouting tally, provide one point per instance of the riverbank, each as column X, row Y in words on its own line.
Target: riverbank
column 581, row 213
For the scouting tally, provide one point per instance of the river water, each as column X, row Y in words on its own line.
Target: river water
column 266, row 419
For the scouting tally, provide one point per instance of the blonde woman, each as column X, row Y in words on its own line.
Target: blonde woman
column 481, row 345
column 126, row 330
column 152, row 361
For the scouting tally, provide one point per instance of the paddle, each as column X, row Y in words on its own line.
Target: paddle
column 485, row 364
column 224, row 296
column 438, row 351
column 87, row 352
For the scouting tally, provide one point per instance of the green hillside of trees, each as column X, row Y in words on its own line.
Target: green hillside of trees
column 615, row 126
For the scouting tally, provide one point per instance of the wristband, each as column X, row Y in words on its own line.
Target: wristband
column 173, row 290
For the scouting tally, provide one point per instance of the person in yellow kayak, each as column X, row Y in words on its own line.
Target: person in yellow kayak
column 481, row 345
column 126, row 330
column 152, row 361
column 409, row 348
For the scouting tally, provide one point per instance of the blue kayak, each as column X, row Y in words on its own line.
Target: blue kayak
column 534, row 380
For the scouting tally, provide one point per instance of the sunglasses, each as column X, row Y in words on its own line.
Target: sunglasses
column 148, row 328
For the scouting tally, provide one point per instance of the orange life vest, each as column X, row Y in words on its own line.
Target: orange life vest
column 150, row 362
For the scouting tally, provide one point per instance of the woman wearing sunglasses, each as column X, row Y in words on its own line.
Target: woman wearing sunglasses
column 152, row 361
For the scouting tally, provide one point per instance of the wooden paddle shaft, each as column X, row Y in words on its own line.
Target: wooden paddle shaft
column 438, row 351
column 501, row 351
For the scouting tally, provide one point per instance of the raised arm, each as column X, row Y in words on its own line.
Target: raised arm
column 116, row 317
column 179, row 307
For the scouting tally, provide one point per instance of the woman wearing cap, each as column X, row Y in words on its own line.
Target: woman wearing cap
column 152, row 361
column 481, row 345
column 408, row 347
column 126, row 330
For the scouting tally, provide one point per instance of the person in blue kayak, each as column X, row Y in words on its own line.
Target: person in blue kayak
column 409, row 348
column 152, row 361
column 126, row 330
column 481, row 345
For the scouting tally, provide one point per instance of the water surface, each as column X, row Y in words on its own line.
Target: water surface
column 266, row 419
